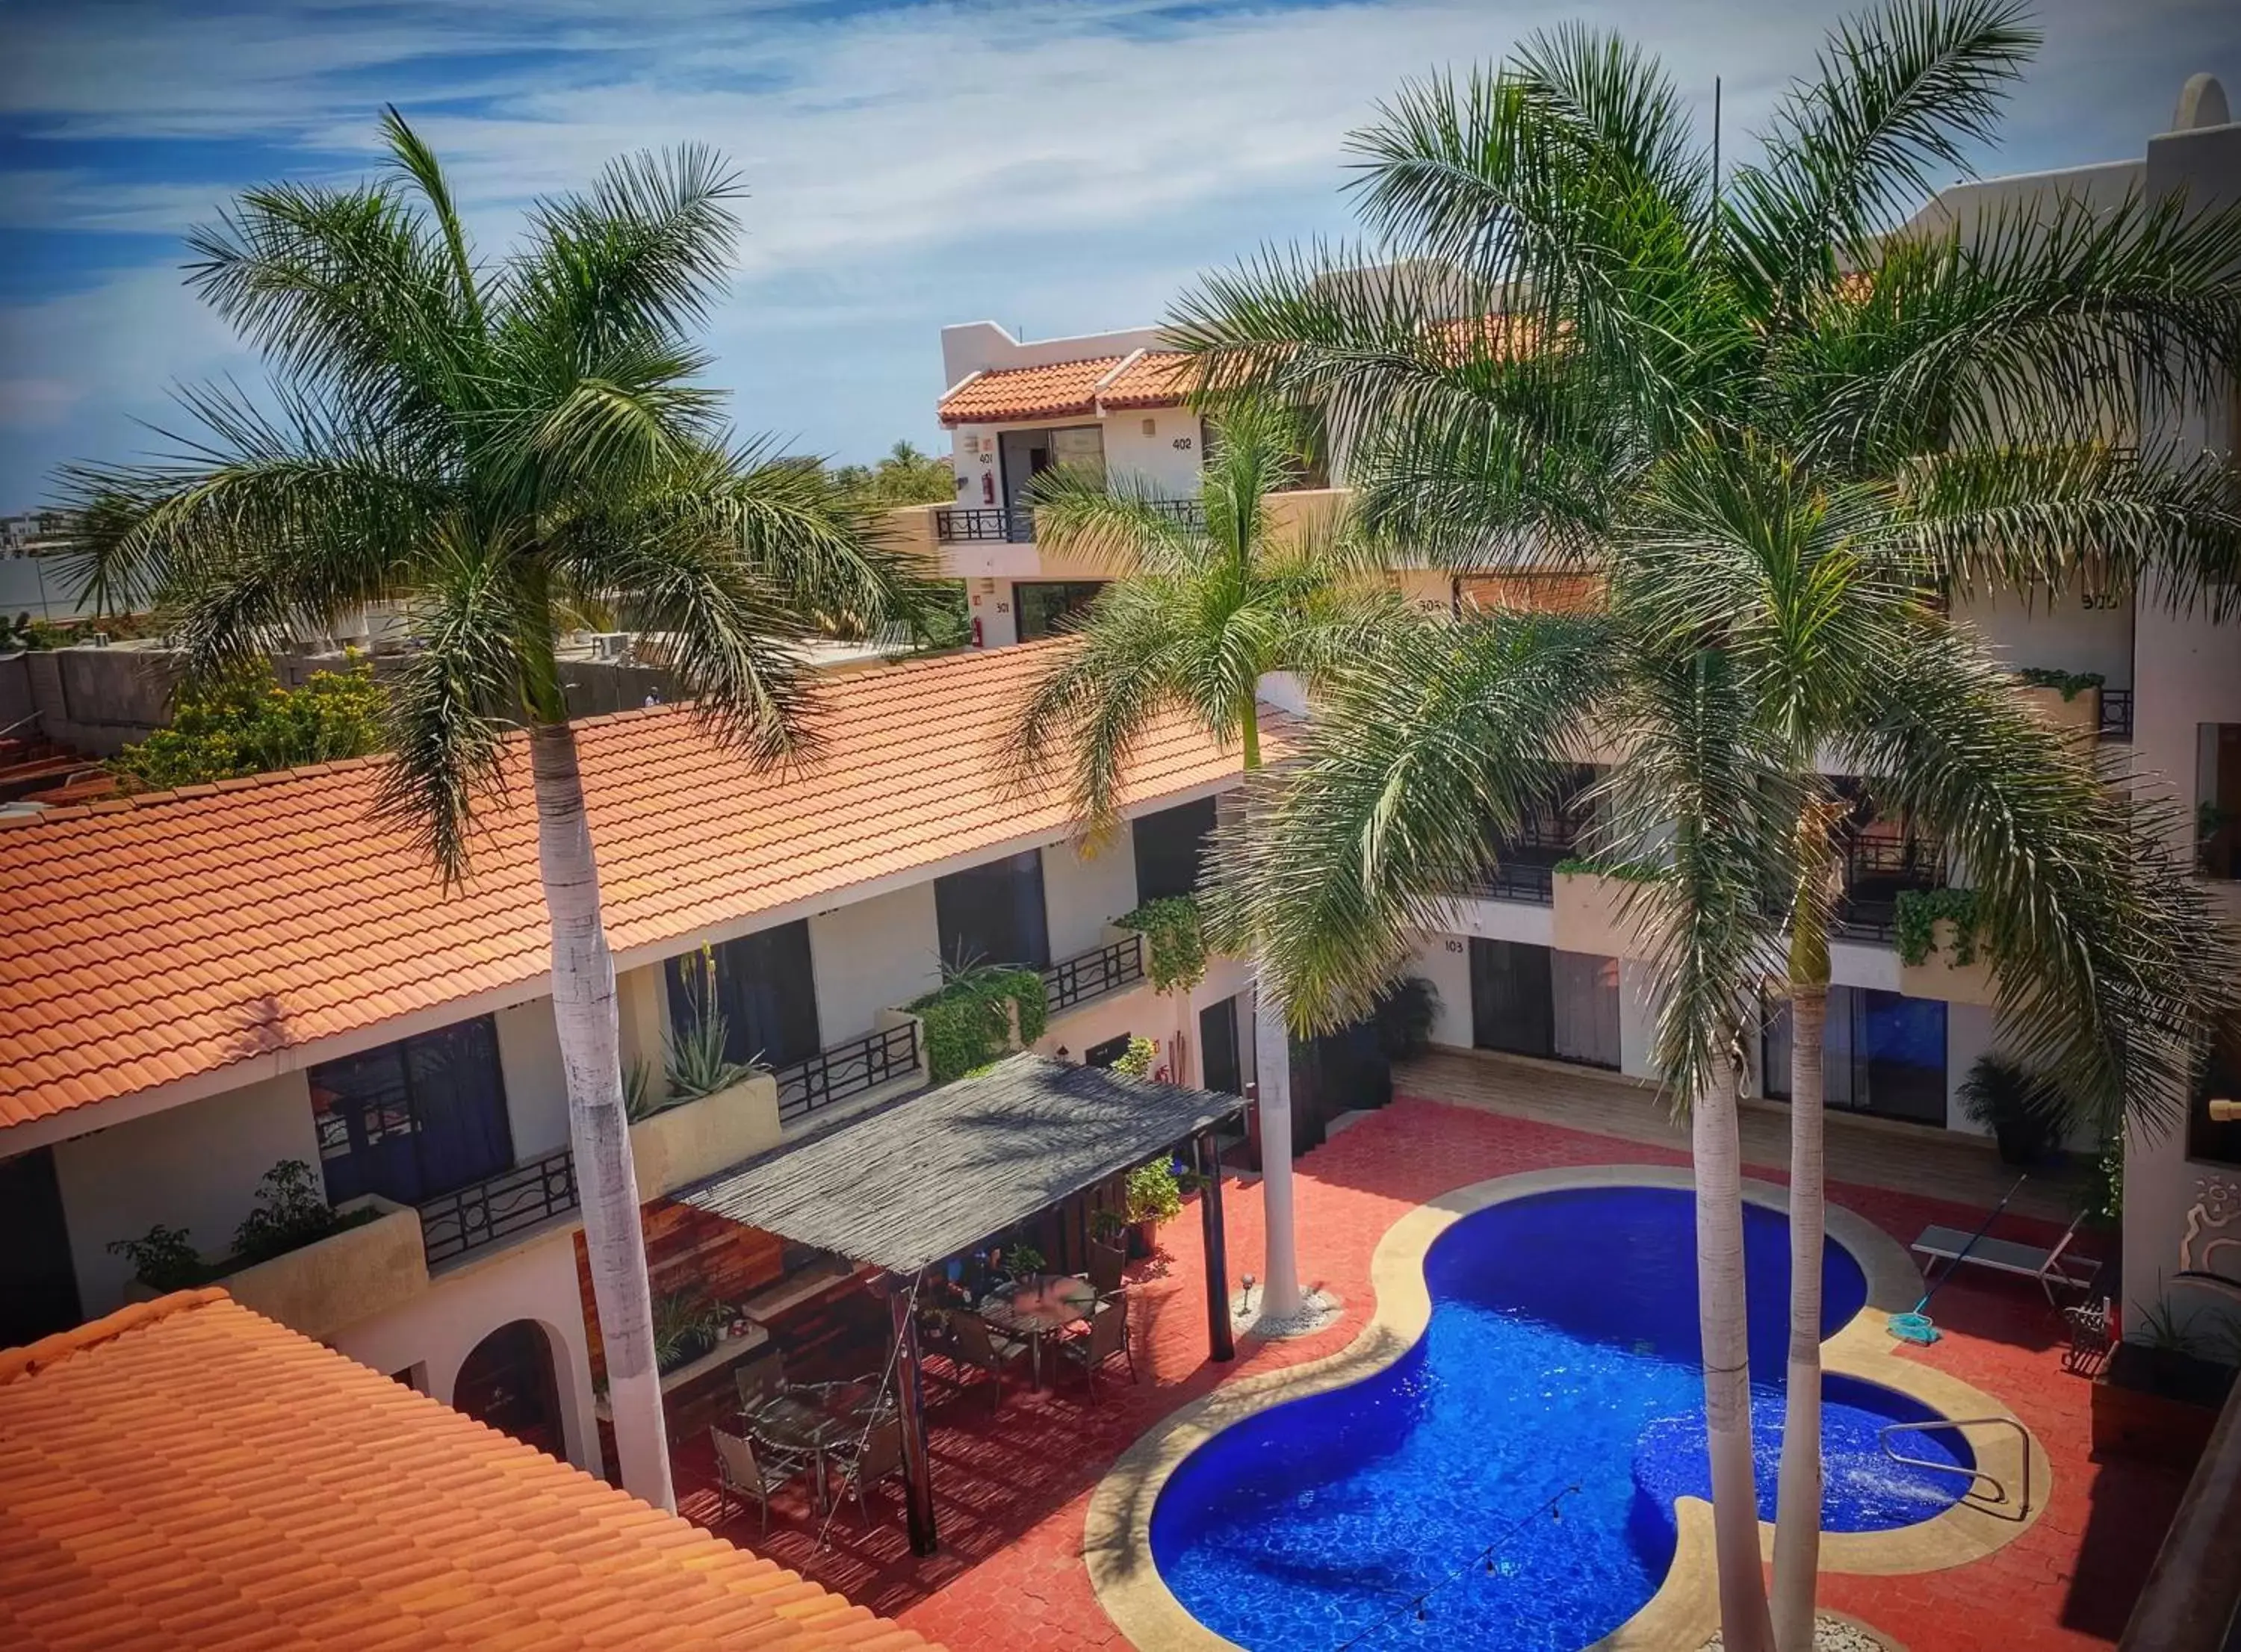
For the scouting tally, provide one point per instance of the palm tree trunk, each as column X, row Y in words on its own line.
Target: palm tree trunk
column 1724, row 1327
column 1797, row 1506
column 599, row 1128
column 1272, row 1072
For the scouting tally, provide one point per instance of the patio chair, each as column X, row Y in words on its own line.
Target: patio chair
column 974, row 1343
column 760, row 1378
column 742, row 1472
column 880, row 1458
column 1107, row 1340
column 1106, row 1262
column 2057, row 1266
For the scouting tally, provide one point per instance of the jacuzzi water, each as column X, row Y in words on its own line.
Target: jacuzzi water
column 1562, row 1350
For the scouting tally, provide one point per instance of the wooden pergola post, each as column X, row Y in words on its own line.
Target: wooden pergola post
column 910, row 1396
column 1222, row 1343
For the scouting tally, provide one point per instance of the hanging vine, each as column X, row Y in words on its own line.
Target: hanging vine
column 1174, row 938
column 1915, row 916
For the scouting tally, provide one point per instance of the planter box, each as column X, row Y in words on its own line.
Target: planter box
column 693, row 1139
column 1589, row 916
column 2156, row 1406
column 2078, row 716
column 1938, row 976
column 332, row 1284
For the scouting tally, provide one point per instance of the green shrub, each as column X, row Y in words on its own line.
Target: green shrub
column 1403, row 1015
column 1173, row 937
column 2072, row 683
column 1916, row 915
column 1631, row 871
column 965, row 1022
column 291, row 1211
column 2027, row 1111
column 1140, row 1059
column 248, row 724
column 1153, row 1193
column 686, row 1326
column 163, row 1258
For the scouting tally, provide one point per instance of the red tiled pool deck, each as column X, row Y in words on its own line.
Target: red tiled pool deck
column 1012, row 1486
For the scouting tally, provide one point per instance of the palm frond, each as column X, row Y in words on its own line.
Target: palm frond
column 1903, row 94
column 410, row 156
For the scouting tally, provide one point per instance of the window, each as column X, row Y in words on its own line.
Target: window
column 994, row 915
column 1881, row 1053
column 1170, row 849
column 1511, row 1004
column 2218, row 1140
column 2217, row 798
column 764, row 989
column 414, row 1118
column 1044, row 604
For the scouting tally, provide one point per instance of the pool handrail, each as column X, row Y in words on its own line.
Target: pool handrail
column 1999, row 1489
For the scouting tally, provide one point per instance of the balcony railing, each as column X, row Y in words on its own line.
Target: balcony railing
column 1015, row 525
column 1533, row 882
column 1091, row 974
column 1873, row 921
column 2115, row 714
column 483, row 1213
column 847, row 1070
column 1909, row 861
column 986, row 525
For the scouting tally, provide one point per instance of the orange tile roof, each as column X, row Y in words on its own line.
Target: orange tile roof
column 1029, row 392
column 1157, row 378
column 155, row 939
column 188, row 1475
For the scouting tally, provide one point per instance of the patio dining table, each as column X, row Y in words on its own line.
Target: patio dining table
column 1043, row 1306
column 817, row 1418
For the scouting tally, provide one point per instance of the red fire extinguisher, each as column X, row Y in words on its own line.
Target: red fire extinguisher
column 987, row 487
column 977, row 643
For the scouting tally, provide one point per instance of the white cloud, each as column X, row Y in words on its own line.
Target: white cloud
column 1066, row 167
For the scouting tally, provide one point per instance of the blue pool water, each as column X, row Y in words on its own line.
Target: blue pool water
column 1563, row 1349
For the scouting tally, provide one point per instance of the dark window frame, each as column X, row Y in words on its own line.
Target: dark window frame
column 1170, row 846
column 362, row 1126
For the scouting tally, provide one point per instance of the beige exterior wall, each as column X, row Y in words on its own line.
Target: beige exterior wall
column 873, row 955
column 536, row 1089
column 1085, row 891
column 195, row 1167
column 429, row 1339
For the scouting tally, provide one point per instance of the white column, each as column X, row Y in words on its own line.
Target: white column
column 1272, row 1055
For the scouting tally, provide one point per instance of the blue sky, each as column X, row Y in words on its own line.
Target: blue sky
column 1063, row 166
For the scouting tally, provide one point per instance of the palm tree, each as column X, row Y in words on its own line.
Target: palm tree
column 1210, row 603
column 1773, row 417
column 499, row 446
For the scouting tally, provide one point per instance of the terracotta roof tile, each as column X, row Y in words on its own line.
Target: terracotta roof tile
column 1027, row 393
column 187, row 1475
column 174, row 936
column 1157, row 378
column 1146, row 378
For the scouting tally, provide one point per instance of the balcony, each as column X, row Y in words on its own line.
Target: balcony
column 1075, row 982
column 1005, row 524
column 372, row 1266
column 850, row 1070
column 1533, row 883
column 483, row 1213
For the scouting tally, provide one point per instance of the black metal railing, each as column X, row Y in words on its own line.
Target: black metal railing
column 983, row 525
column 2115, row 714
column 1909, row 861
column 1015, row 525
column 847, row 1070
column 1872, row 921
column 1093, row 974
column 485, row 1212
column 1531, row 881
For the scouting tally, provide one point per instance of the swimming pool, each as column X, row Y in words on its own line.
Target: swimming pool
column 1561, row 1351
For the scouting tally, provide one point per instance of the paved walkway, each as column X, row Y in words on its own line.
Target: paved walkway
column 1014, row 1485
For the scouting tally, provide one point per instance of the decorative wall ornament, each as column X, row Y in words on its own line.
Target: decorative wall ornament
column 2210, row 1249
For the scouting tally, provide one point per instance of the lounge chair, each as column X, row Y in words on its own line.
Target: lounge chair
column 880, row 1458
column 974, row 1344
column 1108, row 1340
column 742, row 1472
column 2049, row 1267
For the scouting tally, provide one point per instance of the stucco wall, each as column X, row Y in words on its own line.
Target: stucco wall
column 2061, row 633
column 873, row 955
column 1084, row 892
column 991, row 603
column 1444, row 960
column 536, row 1089
column 433, row 1336
column 195, row 1167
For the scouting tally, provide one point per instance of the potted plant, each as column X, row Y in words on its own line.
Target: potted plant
column 2027, row 1113
column 1154, row 1197
column 686, row 1326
